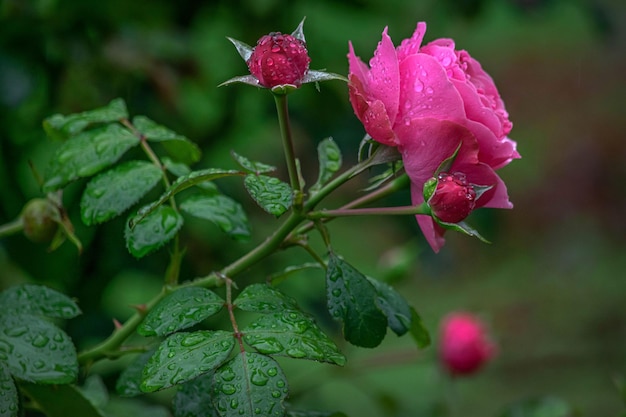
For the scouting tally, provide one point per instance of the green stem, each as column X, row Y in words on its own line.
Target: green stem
column 11, row 228
column 290, row 155
column 374, row 211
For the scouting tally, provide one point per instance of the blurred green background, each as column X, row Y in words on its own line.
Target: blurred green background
column 551, row 286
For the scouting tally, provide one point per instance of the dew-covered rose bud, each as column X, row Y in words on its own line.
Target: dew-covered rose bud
column 279, row 59
column 464, row 346
column 37, row 218
column 453, row 199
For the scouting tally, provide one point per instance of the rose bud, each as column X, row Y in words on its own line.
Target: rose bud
column 464, row 346
column 37, row 218
column 279, row 59
column 453, row 199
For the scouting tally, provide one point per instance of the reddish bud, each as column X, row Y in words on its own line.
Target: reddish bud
column 453, row 199
column 464, row 346
column 279, row 59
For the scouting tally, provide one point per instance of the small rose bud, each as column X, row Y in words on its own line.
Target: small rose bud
column 279, row 59
column 464, row 346
column 453, row 199
column 37, row 217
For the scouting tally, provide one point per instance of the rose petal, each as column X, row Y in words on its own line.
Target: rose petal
column 426, row 91
column 356, row 66
column 373, row 115
column 412, row 45
column 384, row 77
column 482, row 174
column 496, row 153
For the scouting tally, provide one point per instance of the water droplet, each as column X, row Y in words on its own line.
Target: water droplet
column 276, row 394
column 259, row 377
column 280, row 384
column 446, row 61
column 16, row 331
column 171, row 354
column 272, row 372
column 39, row 364
column 40, row 341
column 296, row 353
column 192, row 340
column 429, row 90
column 229, row 389
column 234, row 404
column 418, row 86
column 336, row 292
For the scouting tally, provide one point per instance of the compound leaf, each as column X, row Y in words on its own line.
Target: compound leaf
column 153, row 231
column 177, row 146
column 261, row 298
column 179, row 310
column 270, row 193
column 61, row 127
column 88, row 153
column 184, row 356
column 38, row 300
column 352, row 300
column 112, row 192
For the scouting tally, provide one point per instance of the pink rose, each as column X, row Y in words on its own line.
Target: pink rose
column 426, row 101
column 464, row 346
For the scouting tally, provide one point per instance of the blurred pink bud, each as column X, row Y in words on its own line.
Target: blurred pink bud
column 464, row 346
column 279, row 59
column 453, row 199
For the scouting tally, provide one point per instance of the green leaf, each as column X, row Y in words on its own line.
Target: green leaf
column 261, row 298
column 223, row 211
column 352, row 300
column 182, row 183
column 129, row 382
column 329, row 156
column 252, row 167
column 178, row 146
column 462, row 227
column 294, row 334
column 62, row 127
column 540, row 407
column 88, row 153
column 394, row 306
column 36, row 350
column 38, row 300
column 271, row 194
column 418, row 331
column 179, row 310
column 194, row 398
column 95, row 391
column 109, row 194
column 250, row 385
column 184, row 356
column 9, row 401
column 60, row 400
column 153, row 231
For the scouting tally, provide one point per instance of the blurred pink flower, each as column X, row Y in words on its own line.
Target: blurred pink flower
column 279, row 59
column 464, row 345
column 426, row 101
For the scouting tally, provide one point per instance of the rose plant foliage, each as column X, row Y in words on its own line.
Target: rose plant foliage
column 431, row 106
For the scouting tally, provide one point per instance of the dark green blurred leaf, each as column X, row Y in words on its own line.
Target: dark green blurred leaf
column 87, row 153
column 261, row 298
column 36, row 350
column 329, row 156
column 540, row 407
column 95, row 391
column 62, row 127
column 9, row 402
column 60, row 400
column 178, row 146
column 394, row 306
column 194, row 398
column 419, row 332
column 352, row 300
column 153, row 231
column 109, row 194
column 252, row 167
column 223, row 211
column 129, row 382
column 294, row 334
column 271, row 194
column 182, row 183
column 179, row 310
column 38, row 299
column 184, row 356
column 249, row 385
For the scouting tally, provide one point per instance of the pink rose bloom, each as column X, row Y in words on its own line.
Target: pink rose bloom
column 464, row 346
column 426, row 100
